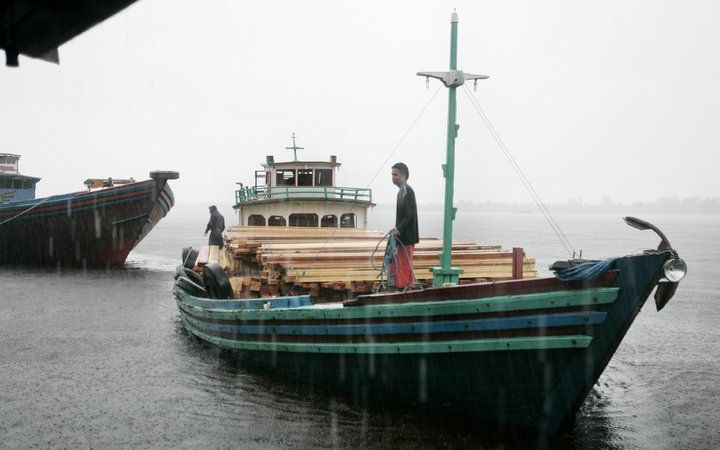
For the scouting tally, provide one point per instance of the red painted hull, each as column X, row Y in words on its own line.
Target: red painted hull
column 85, row 228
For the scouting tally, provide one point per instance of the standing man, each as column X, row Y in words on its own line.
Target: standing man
column 406, row 227
column 216, row 226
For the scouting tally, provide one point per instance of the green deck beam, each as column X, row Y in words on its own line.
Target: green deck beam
column 555, row 299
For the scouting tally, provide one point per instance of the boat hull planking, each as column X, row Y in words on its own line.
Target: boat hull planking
column 526, row 359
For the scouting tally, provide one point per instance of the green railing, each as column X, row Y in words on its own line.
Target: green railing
column 253, row 194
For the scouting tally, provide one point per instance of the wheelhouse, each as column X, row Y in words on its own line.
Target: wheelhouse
column 14, row 187
column 301, row 194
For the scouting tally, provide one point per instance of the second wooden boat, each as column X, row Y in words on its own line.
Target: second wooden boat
column 96, row 227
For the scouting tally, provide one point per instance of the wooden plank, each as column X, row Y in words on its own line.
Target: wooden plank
column 237, row 286
column 329, row 260
column 213, row 254
column 224, row 259
column 203, row 255
column 517, row 263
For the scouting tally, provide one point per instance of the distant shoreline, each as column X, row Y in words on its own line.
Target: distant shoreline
column 660, row 206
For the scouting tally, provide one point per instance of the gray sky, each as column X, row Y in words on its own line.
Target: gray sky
column 616, row 98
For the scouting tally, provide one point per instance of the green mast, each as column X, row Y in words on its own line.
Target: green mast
column 446, row 274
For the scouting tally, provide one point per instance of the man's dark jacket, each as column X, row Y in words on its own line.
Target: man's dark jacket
column 216, row 226
column 406, row 220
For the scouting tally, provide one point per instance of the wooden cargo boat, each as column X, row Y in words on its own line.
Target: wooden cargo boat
column 96, row 227
column 523, row 351
column 299, row 232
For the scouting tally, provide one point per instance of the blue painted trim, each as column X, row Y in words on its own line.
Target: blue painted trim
column 80, row 196
column 447, row 326
column 416, row 348
column 294, row 301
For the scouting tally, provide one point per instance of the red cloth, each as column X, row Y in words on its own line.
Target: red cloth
column 402, row 266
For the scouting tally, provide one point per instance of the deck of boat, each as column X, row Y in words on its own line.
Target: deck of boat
column 333, row 264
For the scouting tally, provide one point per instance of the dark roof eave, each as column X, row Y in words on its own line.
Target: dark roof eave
column 18, row 176
column 302, row 163
column 301, row 199
column 41, row 26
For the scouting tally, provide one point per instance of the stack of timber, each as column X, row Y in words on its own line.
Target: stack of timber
column 333, row 264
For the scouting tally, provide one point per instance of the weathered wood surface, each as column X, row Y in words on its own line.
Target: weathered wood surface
column 338, row 263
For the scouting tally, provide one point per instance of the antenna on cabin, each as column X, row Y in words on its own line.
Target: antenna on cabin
column 294, row 147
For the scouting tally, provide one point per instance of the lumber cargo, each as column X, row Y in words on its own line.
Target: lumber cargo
column 334, row 263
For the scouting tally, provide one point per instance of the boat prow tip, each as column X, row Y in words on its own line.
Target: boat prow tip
column 164, row 174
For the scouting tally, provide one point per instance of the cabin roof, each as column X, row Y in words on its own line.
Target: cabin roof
column 17, row 176
column 10, row 154
column 301, row 164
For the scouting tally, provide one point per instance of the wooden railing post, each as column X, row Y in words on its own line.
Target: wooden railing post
column 517, row 263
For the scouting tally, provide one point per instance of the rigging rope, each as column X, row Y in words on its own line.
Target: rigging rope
column 518, row 171
column 397, row 145
column 27, row 210
column 404, row 136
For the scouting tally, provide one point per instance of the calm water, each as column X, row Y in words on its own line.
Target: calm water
column 100, row 359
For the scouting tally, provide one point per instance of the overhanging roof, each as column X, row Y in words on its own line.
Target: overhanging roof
column 17, row 176
column 36, row 28
column 302, row 164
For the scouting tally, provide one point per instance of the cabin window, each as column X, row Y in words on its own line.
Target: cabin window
column 303, row 220
column 277, row 221
column 5, row 183
column 285, row 177
column 329, row 220
column 305, row 177
column 323, row 177
column 347, row 220
column 17, row 184
column 256, row 220
column 3, row 160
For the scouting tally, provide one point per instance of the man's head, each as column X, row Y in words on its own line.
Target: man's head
column 400, row 174
column 212, row 208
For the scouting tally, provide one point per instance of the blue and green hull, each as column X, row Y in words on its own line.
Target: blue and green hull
column 523, row 352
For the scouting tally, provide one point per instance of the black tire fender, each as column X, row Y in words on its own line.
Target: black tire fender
column 189, row 257
column 193, row 276
column 216, row 282
column 190, row 287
